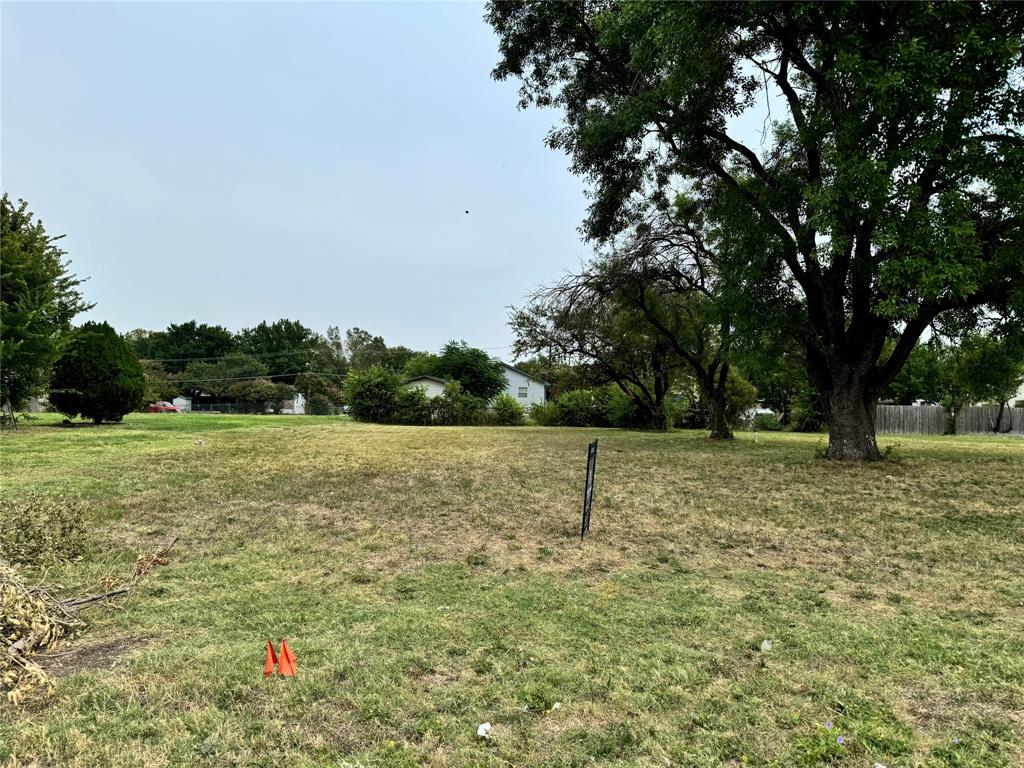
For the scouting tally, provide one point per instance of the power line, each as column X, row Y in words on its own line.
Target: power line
column 265, row 376
column 369, row 353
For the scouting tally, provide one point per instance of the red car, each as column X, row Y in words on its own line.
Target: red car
column 163, row 407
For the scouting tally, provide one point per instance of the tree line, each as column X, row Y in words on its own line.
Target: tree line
column 209, row 362
column 645, row 337
column 94, row 372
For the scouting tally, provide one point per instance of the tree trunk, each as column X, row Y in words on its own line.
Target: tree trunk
column 720, row 429
column 997, row 427
column 660, row 390
column 712, row 383
column 851, row 424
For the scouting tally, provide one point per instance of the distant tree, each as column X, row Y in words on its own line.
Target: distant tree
column 364, row 349
column 335, row 350
column 160, row 385
column 184, row 343
column 480, row 375
column 288, row 348
column 779, row 376
column 988, row 368
column 98, row 376
column 260, row 395
column 147, row 344
column 397, row 358
column 925, row 375
column 580, row 322
column 38, row 299
column 669, row 270
column 887, row 189
column 215, row 378
column 654, row 301
column 322, row 393
column 421, row 364
column 560, row 376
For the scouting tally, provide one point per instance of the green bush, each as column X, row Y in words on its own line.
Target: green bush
column 583, row 408
column 622, row 411
column 544, row 414
column 576, row 408
column 765, row 422
column 98, row 376
column 457, row 408
column 688, row 413
column 39, row 529
column 378, row 395
column 373, row 394
column 507, row 412
column 806, row 415
column 412, row 406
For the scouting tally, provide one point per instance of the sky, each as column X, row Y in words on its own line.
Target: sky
column 239, row 162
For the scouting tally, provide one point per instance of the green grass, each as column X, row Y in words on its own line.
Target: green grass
column 430, row 579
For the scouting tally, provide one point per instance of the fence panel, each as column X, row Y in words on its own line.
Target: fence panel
column 910, row 419
column 977, row 419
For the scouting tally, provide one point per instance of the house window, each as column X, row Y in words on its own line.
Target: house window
column 523, row 392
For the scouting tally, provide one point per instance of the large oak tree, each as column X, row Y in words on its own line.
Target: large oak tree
column 888, row 192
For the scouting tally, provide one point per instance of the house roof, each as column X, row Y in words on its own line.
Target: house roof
column 428, row 378
column 524, row 373
column 425, row 377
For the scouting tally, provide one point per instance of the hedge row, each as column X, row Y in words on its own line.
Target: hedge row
column 379, row 395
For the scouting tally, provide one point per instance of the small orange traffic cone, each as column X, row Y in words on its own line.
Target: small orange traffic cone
column 268, row 667
column 287, row 666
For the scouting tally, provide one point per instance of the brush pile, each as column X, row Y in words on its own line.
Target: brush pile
column 31, row 620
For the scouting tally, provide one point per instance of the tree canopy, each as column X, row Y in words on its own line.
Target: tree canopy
column 98, row 376
column 886, row 194
column 38, row 299
column 183, row 343
column 479, row 374
column 289, row 348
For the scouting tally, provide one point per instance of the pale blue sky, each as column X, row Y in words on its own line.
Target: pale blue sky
column 239, row 162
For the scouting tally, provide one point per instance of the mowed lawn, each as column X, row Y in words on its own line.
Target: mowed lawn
column 432, row 579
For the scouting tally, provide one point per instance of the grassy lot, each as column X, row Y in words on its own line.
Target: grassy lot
column 430, row 579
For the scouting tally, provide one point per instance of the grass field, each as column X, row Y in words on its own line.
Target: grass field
column 431, row 579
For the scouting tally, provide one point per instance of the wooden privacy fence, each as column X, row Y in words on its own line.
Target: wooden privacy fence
column 981, row 418
column 931, row 420
column 910, row 419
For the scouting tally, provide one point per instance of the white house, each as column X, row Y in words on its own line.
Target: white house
column 431, row 385
column 526, row 389
column 184, row 404
column 521, row 386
